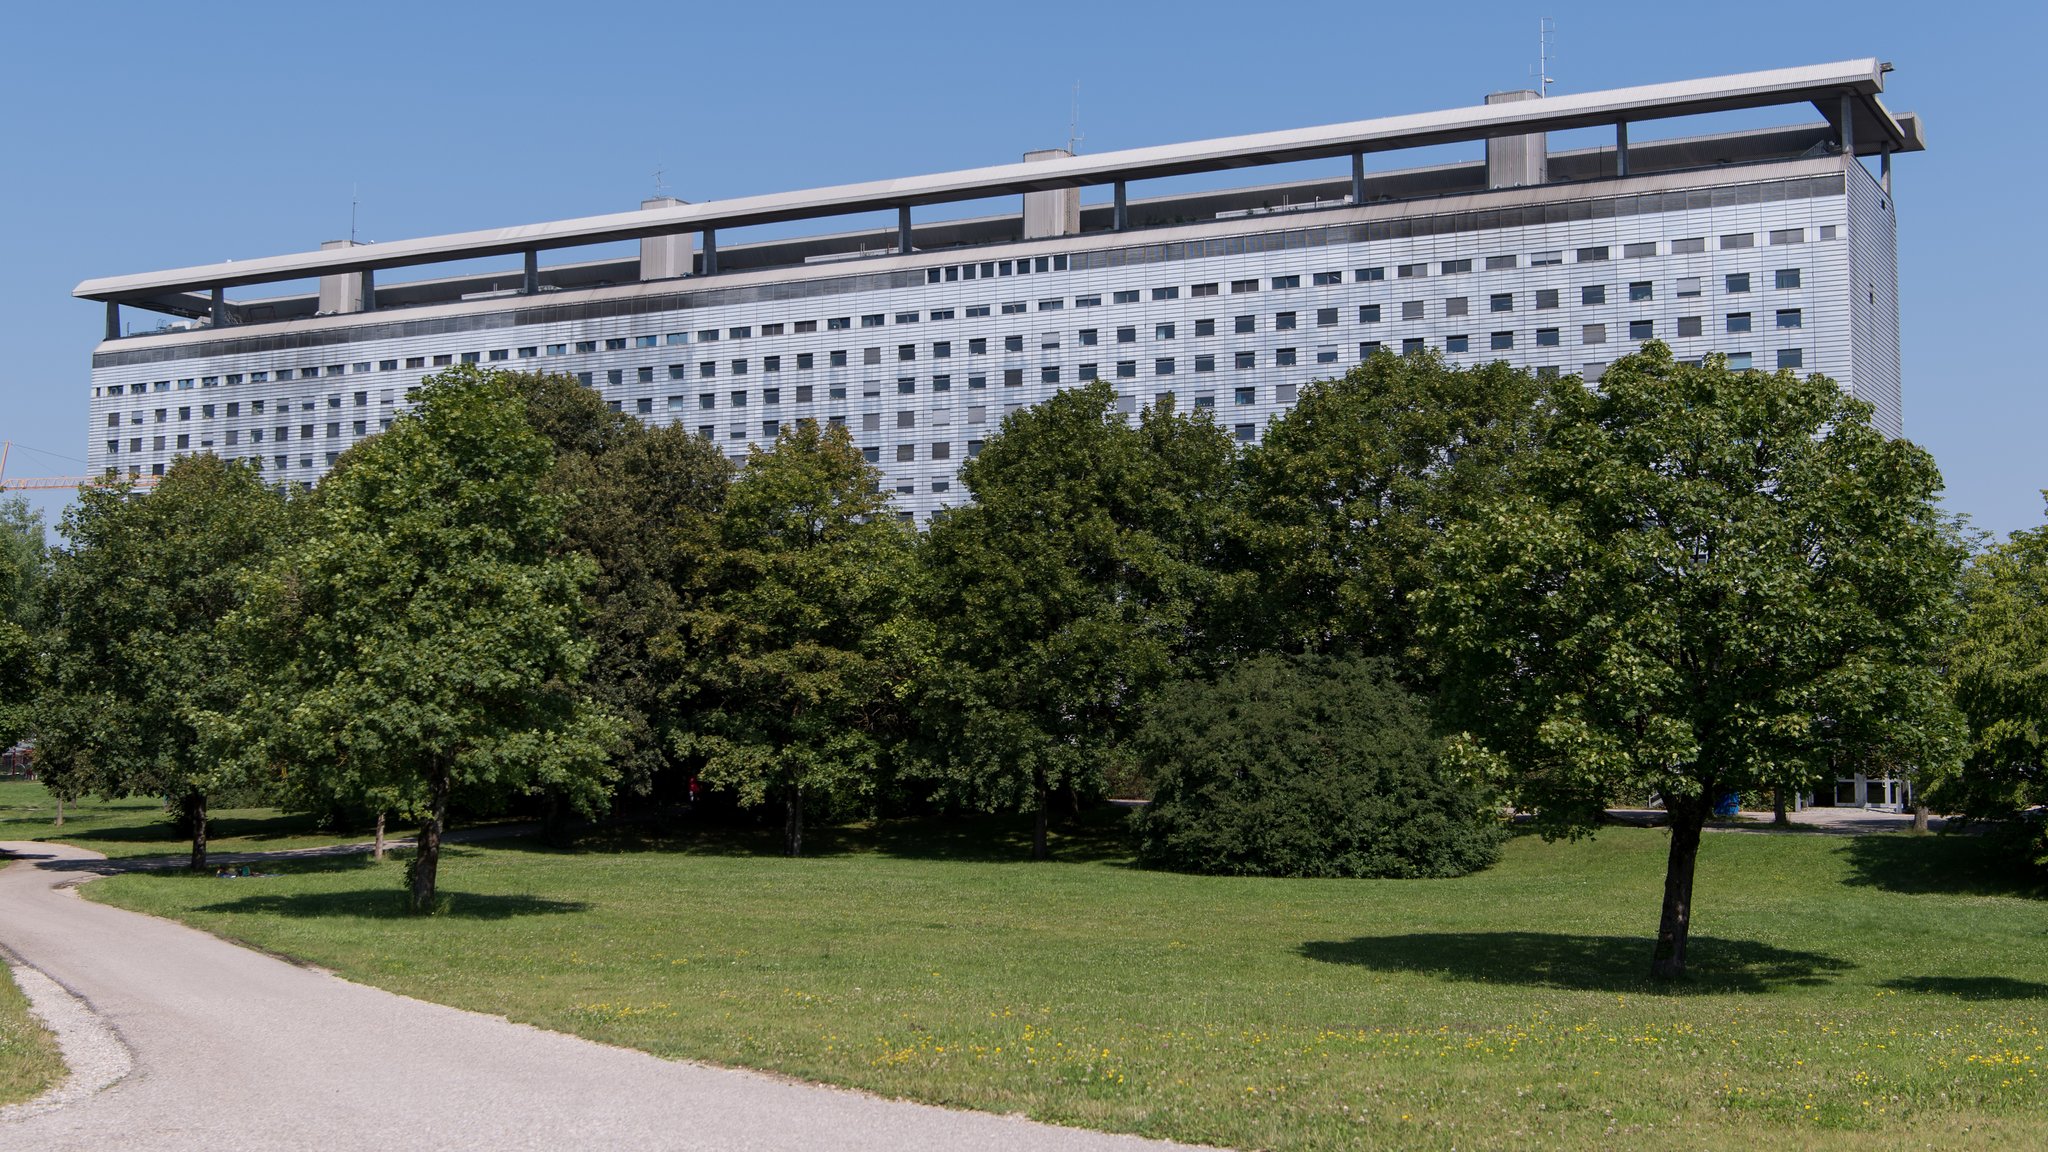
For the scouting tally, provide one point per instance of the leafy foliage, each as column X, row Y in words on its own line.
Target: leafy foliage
column 421, row 638
column 1067, row 591
column 1998, row 671
column 1705, row 581
column 643, row 503
column 1345, row 491
column 137, row 655
column 23, row 567
column 796, row 646
column 1305, row 767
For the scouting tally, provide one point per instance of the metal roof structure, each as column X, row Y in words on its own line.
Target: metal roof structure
column 1847, row 89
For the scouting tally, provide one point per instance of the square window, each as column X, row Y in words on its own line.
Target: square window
column 1369, row 275
column 1739, row 240
column 1162, row 332
column 1457, row 306
column 1593, row 334
column 1205, row 363
column 1738, row 322
column 1593, row 294
column 1737, row 282
column 1688, row 286
column 1163, row 366
column 1411, row 309
column 1368, row 313
column 1326, row 317
column 1546, row 298
column 1246, row 360
column 1688, row 325
column 1244, row 396
column 1126, row 369
column 1546, row 337
column 1787, row 278
column 1641, row 330
column 1457, row 343
column 1283, row 357
column 1791, row 358
column 1501, row 302
column 1641, row 290
column 1790, row 318
column 1501, row 341
column 1245, row 433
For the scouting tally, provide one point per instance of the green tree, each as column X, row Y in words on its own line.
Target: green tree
column 24, row 564
column 1998, row 673
column 420, row 641
column 1707, row 581
column 1345, row 491
column 797, row 645
column 137, row 653
column 1305, row 766
column 1083, row 575
column 644, row 504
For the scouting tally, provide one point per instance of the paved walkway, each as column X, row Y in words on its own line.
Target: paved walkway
column 232, row 1049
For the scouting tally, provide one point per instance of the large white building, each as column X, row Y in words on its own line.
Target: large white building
column 1775, row 246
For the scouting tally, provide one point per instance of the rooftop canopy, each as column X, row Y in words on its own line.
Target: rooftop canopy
column 1849, row 88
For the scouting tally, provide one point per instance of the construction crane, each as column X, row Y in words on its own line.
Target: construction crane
column 59, row 483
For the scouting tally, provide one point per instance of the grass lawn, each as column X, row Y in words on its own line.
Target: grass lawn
column 29, row 1062
column 141, row 827
column 1882, row 992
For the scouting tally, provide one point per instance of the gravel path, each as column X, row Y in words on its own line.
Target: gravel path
column 235, row 1049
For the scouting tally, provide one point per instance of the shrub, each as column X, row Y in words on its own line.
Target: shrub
column 1305, row 767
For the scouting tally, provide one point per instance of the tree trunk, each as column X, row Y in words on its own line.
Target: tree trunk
column 380, row 835
column 1778, row 816
column 195, row 817
column 1687, row 818
column 793, row 821
column 1919, row 817
column 427, row 861
column 60, row 811
column 1039, row 851
column 555, row 827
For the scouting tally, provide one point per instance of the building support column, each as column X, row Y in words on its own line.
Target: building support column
column 217, row 310
column 113, row 320
column 710, row 252
column 1120, row 219
column 531, row 285
column 1357, row 178
column 903, row 229
column 1848, row 126
column 1621, row 148
column 369, row 289
column 1884, row 170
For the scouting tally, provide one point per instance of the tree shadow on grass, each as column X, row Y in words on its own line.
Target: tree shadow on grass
column 1971, row 987
column 1945, row 864
column 1581, row 963
column 389, row 904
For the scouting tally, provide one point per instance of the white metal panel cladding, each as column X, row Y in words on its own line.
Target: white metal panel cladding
column 672, row 364
column 1873, row 296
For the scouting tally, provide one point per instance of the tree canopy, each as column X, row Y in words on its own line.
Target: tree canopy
column 1998, row 671
column 1067, row 591
column 798, row 656
column 422, row 638
column 137, row 655
column 1705, row 581
column 23, row 567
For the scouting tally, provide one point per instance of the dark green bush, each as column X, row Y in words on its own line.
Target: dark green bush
column 1305, row 767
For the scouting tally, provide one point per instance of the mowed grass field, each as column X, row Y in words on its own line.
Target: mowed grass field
column 1877, row 992
column 141, row 827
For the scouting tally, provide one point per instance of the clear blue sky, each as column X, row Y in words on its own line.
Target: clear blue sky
column 152, row 136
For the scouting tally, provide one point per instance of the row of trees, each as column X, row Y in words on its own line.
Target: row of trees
column 1689, row 581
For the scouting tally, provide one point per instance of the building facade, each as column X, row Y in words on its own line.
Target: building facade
column 1775, row 247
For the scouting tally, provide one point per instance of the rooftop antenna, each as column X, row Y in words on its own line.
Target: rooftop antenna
column 1546, row 28
column 354, row 200
column 660, row 184
column 1074, row 136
